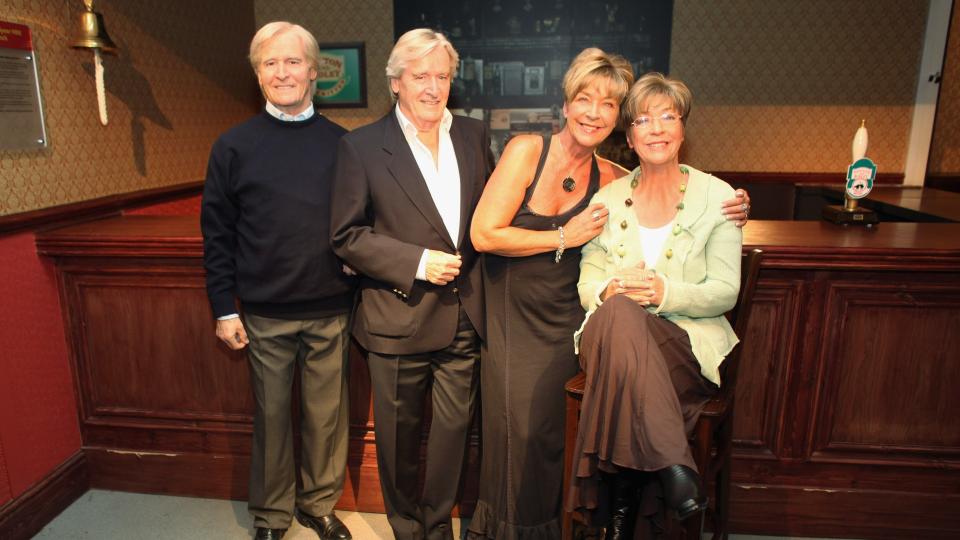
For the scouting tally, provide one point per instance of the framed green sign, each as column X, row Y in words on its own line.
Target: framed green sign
column 342, row 77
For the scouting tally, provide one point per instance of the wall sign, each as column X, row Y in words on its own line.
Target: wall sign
column 342, row 77
column 21, row 114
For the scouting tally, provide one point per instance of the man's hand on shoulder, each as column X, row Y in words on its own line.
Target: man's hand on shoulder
column 231, row 332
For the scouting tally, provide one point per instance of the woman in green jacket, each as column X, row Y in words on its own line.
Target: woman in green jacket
column 655, row 283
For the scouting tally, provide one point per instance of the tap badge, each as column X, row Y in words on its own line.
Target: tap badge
column 860, row 176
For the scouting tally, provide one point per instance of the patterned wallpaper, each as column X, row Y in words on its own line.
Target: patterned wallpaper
column 945, row 147
column 179, row 81
column 370, row 21
column 782, row 86
column 778, row 86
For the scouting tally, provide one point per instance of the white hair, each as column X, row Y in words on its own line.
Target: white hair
column 416, row 44
column 271, row 30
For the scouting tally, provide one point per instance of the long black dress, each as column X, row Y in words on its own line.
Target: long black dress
column 533, row 310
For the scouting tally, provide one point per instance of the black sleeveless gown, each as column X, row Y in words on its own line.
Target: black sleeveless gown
column 533, row 310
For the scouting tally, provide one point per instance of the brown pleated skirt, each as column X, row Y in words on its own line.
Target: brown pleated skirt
column 642, row 397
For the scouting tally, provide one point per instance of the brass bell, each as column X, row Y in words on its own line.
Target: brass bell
column 92, row 33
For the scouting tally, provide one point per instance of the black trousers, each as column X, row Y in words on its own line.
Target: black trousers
column 400, row 384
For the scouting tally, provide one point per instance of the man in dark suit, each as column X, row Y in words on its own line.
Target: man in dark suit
column 403, row 197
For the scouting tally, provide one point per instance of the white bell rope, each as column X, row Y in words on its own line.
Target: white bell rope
column 101, row 92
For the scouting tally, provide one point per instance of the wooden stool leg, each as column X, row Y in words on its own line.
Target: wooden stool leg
column 570, row 435
column 693, row 527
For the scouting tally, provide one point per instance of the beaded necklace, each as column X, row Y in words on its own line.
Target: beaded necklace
column 635, row 181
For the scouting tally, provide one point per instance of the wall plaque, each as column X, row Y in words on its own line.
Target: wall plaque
column 21, row 115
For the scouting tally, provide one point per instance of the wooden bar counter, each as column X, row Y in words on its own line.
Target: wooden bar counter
column 847, row 418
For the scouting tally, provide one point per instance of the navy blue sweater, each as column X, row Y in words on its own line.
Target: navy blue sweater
column 265, row 220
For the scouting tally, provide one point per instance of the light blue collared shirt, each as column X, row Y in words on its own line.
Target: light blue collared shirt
column 280, row 115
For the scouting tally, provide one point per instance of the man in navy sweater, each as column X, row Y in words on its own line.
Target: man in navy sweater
column 266, row 242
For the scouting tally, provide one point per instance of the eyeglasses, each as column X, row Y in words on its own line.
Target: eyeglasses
column 645, row 122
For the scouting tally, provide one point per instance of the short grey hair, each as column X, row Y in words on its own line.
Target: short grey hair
column 656, row 84
column 273, row 29
column 416, row 44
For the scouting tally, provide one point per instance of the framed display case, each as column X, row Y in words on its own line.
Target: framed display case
column 514, row 53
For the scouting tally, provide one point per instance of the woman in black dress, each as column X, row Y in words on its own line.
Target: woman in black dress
column 532, row 219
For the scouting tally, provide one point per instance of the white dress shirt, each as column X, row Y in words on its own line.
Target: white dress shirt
column 442, row 178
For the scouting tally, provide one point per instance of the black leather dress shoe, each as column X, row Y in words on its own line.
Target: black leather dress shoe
column 681, row 490
column 328, row 527
column 264, row 533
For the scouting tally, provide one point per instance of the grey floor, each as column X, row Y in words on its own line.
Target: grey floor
column 114, row 515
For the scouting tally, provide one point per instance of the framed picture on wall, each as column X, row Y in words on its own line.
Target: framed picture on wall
column 342, row 77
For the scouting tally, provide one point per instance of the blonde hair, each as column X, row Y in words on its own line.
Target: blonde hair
column 276, row 28
column 416, row 44
column 592, row 64
column 656, row 84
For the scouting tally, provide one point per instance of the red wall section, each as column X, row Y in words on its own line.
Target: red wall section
column 38, row 413
column 188, row 206
column 5, row 494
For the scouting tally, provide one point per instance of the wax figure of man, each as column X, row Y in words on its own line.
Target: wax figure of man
column 403, row 198
column 266, row 241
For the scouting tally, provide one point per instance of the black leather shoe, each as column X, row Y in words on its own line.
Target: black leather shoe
column 681, row 491
column 264, row 533
column 328, row 527
column 623, row 506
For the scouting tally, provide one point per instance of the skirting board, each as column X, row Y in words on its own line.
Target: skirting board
column 223, row 476
column 27, row 514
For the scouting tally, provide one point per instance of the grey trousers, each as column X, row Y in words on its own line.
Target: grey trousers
column 318, row 348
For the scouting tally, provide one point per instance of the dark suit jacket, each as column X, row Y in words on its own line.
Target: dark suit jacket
column 383, row 217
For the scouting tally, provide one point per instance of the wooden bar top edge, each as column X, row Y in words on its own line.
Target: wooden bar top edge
column 179, row 236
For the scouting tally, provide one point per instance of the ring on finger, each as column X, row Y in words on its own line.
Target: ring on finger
column 595, row 215
column 744, row 207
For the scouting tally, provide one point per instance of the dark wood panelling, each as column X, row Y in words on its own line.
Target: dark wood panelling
column 843, row 513
column 24, row 516
column 763, row 366
column 888, row 387
column 146, row 367
column 843, row 423
column 221, row 476
column 164, row 406
column 59, row 216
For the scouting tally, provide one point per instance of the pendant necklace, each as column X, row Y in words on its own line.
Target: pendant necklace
column 568, row 184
